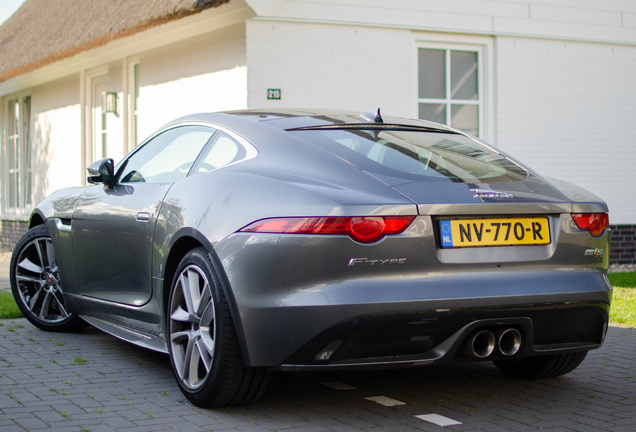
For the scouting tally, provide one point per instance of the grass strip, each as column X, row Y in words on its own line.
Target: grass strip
column 623, row 309
column 8, row 307
column 624, row 280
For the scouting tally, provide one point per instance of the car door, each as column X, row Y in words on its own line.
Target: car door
column 113, row 225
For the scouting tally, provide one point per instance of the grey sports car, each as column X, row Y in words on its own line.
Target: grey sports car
column 246, row 242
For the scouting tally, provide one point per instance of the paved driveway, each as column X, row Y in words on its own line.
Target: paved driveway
column 92, row 381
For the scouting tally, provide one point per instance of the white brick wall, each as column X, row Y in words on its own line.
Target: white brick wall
column 56, row 140
column 330, row 66
column 202, row 74
column 609, row 21
column 567, row 109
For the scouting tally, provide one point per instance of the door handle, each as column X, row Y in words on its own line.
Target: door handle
column 143, row 217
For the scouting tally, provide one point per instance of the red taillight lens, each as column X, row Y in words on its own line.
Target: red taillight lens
column 595, row 223
column 367, row 229
column 361, row 228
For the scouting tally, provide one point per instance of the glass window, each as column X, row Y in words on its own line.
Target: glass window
column 135, row 107
column 432, row 74
column 448, row 88
column 167, row 157
column 222, row 150
column 414, row 155
column 13, row 147
column 26, row 148
column 18, row 153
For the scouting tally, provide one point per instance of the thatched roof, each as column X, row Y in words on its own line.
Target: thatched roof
column 41, row 32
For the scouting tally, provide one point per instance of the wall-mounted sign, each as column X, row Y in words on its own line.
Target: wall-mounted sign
column 273, row 94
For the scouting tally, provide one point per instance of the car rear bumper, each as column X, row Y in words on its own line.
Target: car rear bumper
column 432, row 337
column 296, row 298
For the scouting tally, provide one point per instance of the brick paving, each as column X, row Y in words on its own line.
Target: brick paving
column 91, row 381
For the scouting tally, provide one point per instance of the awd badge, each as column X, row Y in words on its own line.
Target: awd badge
column 594, row 252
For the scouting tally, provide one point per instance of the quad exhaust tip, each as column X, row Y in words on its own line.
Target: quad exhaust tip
column 482, row 343
column 509, row 342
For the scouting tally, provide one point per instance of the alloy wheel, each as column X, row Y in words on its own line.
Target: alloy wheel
column 38, row 280
column 192, row 327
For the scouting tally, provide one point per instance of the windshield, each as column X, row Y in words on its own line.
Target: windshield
column 416, row 155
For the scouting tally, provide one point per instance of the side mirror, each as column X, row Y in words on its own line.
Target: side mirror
column 101, row 171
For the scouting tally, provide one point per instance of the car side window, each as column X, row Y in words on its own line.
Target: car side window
column 167, row 157
column 221, row 151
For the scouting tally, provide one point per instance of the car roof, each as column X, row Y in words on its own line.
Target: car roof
column 299, row 118
column 304, row 118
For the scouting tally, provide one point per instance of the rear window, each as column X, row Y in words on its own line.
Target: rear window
column 416, row 155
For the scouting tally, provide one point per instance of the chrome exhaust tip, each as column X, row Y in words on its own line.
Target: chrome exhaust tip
column 509, row 342
column 482, row 343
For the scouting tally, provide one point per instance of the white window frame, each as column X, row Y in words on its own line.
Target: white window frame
column 25, row 159
column 132, row 71
column 99, row 125
column 484, row 47
column 86, row 100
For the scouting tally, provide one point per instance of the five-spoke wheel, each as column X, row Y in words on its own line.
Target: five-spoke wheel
column 202, row 339
column 192, row 319
column 35, row 283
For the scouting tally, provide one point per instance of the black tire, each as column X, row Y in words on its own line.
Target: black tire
column 546, row 366
column 36, row 285
column 201, row 333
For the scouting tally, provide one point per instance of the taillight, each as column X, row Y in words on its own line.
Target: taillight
column 595, row 223
column 365, row 229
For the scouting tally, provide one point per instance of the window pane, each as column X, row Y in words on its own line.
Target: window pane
column 464, row 75
column 465, row 118
column 12, row 139
column 26, row 142
column 13, row 189
column 167, row 157
column 11, row 117
column 28, row 190
column 136, row 104
column 433, row 112
column 223, row 150
column 420, row 156
column 104, row 134
column 13, row 160
column 432, row 73
column 16, row 117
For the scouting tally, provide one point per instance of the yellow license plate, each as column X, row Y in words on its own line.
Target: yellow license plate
column 494, row 232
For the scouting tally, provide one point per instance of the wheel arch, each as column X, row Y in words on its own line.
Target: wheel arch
column 36, row 219
column 183, row 242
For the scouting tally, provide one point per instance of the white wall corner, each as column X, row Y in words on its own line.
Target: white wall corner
column 264, row 7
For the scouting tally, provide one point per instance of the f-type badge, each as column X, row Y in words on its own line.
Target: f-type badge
column 594, row 252
column 379, row 262
column 487, row 193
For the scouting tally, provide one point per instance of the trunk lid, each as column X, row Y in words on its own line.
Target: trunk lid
column 529, row 196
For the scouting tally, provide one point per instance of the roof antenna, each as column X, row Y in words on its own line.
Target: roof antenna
column 372, row 116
